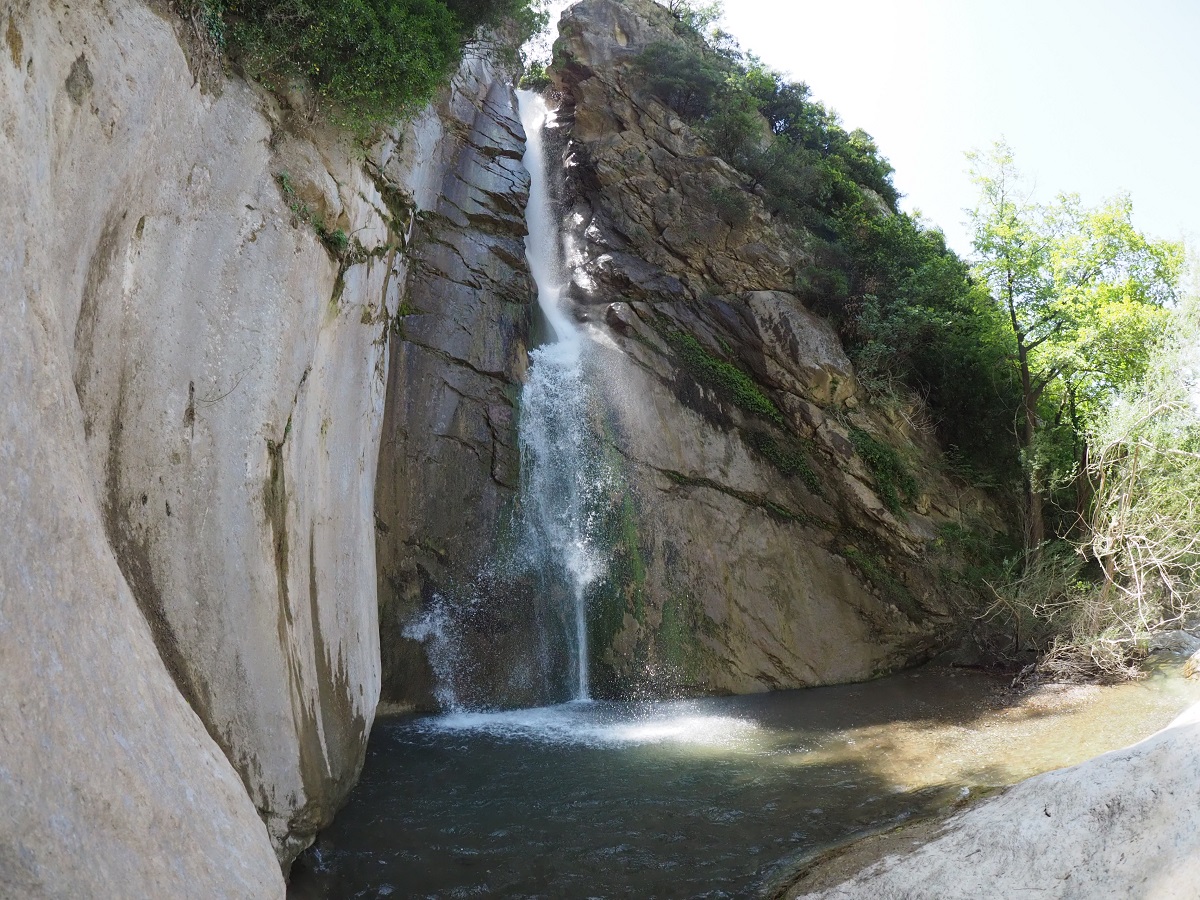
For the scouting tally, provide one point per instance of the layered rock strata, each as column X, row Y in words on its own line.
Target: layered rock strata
column 756, row 544
column 449, row 463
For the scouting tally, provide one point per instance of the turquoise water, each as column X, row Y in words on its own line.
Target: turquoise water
column 707, row 798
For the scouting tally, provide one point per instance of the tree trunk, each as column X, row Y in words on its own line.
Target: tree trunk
column 1085, row 491
column 1035, row 524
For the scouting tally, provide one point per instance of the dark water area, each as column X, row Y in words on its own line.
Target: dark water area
column 706, row 798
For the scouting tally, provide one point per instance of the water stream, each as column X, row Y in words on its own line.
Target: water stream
column 553, row 552
column 560, row 474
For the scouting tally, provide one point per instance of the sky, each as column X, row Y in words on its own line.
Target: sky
column 1096, row 97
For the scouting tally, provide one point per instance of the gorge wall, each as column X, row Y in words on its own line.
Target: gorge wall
column 194, row 388
column 238, row 461
column 449, row 465
column 756, row 547
column 751, row 545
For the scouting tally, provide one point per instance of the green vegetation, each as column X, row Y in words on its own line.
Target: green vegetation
column 1087, row 607
column 892, row 477
column 692, row 15
column 678, row 639
column 336, row 240
column 789, row 459
column 535, row 78
column 913, row 319
column 368, row 61
column 909, row 314
column 727, row 378
column 1085, row 296
column 1146, row 462
column 792, row 147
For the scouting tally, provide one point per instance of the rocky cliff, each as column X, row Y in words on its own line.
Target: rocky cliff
column 767, row 524
column 448, row 467
column 777, row 527
column 194, row 385
column 239, row 455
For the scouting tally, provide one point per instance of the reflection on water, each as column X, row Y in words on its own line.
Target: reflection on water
column 705, row 798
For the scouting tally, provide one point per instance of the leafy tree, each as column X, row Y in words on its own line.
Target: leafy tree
column 694, row 16
column 1084, row 294
column 1144, row 528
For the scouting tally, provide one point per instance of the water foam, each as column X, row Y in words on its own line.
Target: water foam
column 600, row 725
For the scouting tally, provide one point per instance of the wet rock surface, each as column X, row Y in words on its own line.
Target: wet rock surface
column 449, row 462
column 195, row 376
column 1119, row 825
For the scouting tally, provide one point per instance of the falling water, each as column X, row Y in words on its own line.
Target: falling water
column 561, row 475
column 555, row 553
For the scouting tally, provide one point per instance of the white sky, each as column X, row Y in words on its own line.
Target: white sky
column 1094, row 96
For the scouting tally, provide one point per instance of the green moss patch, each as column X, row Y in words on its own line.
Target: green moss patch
column 786, row 456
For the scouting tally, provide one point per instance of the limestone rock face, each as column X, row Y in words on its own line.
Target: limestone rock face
column 1124, row 824
column 194, row 391
column 756, row 541
column 449, row 465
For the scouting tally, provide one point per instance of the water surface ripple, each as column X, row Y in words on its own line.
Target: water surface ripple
column 706, row 798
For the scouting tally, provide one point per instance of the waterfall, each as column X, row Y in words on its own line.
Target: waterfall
column 562, row 477
column 536, row 589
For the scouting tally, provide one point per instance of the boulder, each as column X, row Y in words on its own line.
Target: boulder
column 1124, row 824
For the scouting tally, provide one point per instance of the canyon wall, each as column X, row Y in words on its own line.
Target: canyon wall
column 194, row 374
column 241, row 454
column 762, row 540
column 753, row 538
column 449, row 464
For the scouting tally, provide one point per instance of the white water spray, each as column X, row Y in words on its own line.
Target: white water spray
column 561, row 478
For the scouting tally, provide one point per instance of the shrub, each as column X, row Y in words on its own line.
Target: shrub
column 732, row 206
column 909, row 315
column 892, row 477
column 370, row 61
column 535, row 78
column 912, row 316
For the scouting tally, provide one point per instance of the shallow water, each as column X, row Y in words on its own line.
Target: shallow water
column 705, row 798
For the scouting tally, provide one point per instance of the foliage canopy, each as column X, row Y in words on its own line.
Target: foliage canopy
column 1086, row 297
